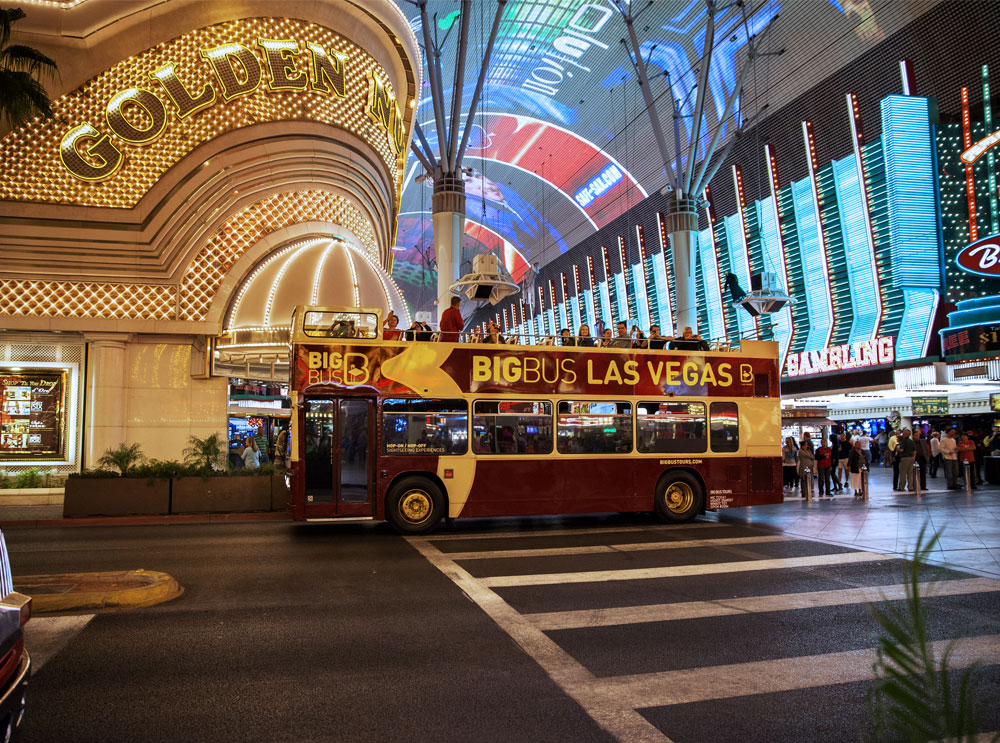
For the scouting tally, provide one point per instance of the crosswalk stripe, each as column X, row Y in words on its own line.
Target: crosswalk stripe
column 771, row 676
column 620, row 720
column 595, row 549
column 600, row 576
column 581, row 619
column 542, row 532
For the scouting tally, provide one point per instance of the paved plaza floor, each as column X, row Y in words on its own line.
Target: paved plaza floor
column 969, row 525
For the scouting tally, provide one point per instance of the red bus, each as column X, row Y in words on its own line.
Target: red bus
column 415, row 431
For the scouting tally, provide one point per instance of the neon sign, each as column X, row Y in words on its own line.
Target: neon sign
column 841, row 358
column 981, row 257
column 607, row 178
column 138, row 116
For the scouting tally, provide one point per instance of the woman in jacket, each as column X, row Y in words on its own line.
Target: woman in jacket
column 854, row 461
column 789, row 463
column 807, row 461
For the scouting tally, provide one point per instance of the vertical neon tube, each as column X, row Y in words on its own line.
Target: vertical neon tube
column 990, row 169
column 970, row 179
column 858, row 139
column 741, row 205
column 661, row 272
column 575, row 300
column 818, row 273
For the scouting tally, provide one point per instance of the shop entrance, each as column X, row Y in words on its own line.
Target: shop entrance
column 338, row 442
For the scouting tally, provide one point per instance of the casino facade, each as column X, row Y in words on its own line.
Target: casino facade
column 208, row 166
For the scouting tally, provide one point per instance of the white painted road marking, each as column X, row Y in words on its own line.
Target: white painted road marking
column 44, row 637
column 743, row 566
column 564, row 532
column 770, row 676
column 753, row 604
column 595, row 549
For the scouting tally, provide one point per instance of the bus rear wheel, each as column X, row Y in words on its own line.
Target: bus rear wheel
column 415, row 505
column 679, row 498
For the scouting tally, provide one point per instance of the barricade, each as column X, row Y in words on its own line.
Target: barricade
column 864, row 482
column 916, row 479
column 967, row 469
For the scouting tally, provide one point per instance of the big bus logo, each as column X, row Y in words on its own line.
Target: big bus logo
column 327, row 367
column 981, row 257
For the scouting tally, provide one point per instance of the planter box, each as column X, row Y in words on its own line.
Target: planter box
column 279, row 493
column 115, row 496
column 220, row 494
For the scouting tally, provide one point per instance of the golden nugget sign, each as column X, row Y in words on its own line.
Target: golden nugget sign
column 138, row 115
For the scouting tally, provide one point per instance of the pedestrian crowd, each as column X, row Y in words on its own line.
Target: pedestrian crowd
column 914, row 456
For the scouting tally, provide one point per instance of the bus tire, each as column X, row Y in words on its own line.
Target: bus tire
column 414, row 505
column 679, row 497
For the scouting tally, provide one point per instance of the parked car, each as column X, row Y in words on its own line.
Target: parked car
column 15, row 665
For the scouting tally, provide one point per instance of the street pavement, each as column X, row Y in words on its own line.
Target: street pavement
column 549, row 629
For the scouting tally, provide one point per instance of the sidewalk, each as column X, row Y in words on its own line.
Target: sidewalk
column 890, row 521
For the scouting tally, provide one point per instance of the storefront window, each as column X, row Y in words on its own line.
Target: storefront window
column 33, row 414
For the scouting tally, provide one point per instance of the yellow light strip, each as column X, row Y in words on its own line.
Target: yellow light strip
column 281, row 274
column 354, row 274
column 314, row 297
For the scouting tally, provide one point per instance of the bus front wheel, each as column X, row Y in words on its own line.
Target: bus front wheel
column 679, row 497
column 414, row 505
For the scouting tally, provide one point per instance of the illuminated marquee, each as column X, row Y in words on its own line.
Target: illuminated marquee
column 138, row 116
column 841, row 358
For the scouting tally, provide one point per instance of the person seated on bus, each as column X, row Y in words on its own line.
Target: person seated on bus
column 565, row 339
column 622, row 340
column 655, row 342
column 493, row 334
column 688, row 341
column 638, row 337
column 340, row 329
column 585, row 339
column 505, row 441
column 605, row 339
column 391, row 331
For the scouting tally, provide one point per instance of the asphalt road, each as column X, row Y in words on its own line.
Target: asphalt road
column 585, row 629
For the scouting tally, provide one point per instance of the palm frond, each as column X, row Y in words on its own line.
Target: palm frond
column 8, row 17
column 914, row 697
column 22, row 58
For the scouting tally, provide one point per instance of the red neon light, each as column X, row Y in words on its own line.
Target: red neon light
column 970, row 180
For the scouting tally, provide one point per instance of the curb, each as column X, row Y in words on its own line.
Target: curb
column 127, row 589
column 196, row 518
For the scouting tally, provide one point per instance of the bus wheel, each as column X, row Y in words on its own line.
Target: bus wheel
column 679, row 497
column 415, row 505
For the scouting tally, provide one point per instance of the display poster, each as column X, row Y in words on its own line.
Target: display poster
column 32, row 414
column 922, row 406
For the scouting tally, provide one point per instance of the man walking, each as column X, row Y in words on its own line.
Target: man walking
column 452, row 323
column 906, row 450
column 935, row 444
column 923, row 456
column 949, row 454
column 866, row 447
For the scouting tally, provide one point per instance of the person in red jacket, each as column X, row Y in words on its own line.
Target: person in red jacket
column 452, row 323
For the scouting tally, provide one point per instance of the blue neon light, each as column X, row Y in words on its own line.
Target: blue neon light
column 774, row 261
column 740, row 262
column 589, row 309
column 814, row 271
column 910, row 188
column 602, row 292
column 600, row 185
column 662, row 292
column 641, row 297
column 710, row 277
column 621, row 294
column 919, row 308
column 858, row 255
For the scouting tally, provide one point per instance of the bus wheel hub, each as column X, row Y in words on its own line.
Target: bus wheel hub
column 415, row 506
column 679, row 497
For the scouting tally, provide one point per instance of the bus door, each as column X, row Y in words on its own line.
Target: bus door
column 339, row 443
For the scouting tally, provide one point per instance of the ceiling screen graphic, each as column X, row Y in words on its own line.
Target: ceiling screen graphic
column 561, row 144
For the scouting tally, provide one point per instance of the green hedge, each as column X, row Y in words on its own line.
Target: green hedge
column 159, row 470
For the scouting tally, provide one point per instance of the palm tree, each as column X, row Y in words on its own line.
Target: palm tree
column 22, row 95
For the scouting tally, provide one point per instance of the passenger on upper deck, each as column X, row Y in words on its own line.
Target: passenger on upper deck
column 688, row 342
column 452, row 323
column 493, row 334
column 391, row 332
column 623, row 340
column 565, row 339
column 655, row 342
column 586, row 339
column 605, row 339
column 638, row 337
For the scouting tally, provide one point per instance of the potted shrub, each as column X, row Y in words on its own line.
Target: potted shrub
column 207, row 487
column 122, row 486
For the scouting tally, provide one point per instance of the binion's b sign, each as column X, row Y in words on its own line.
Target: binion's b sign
column 981, row 257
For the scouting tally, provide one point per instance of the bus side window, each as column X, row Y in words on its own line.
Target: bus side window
column 512, row 427
column 724, row 426
column 595, row 427
column 671, row 427
column 425, row 426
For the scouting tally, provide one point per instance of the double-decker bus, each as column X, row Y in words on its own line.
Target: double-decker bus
column 415, row 431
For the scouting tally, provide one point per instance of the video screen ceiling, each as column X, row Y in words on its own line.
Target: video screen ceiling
column 561, row 144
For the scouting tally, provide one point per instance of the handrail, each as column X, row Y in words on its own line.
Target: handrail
column 559, row 341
